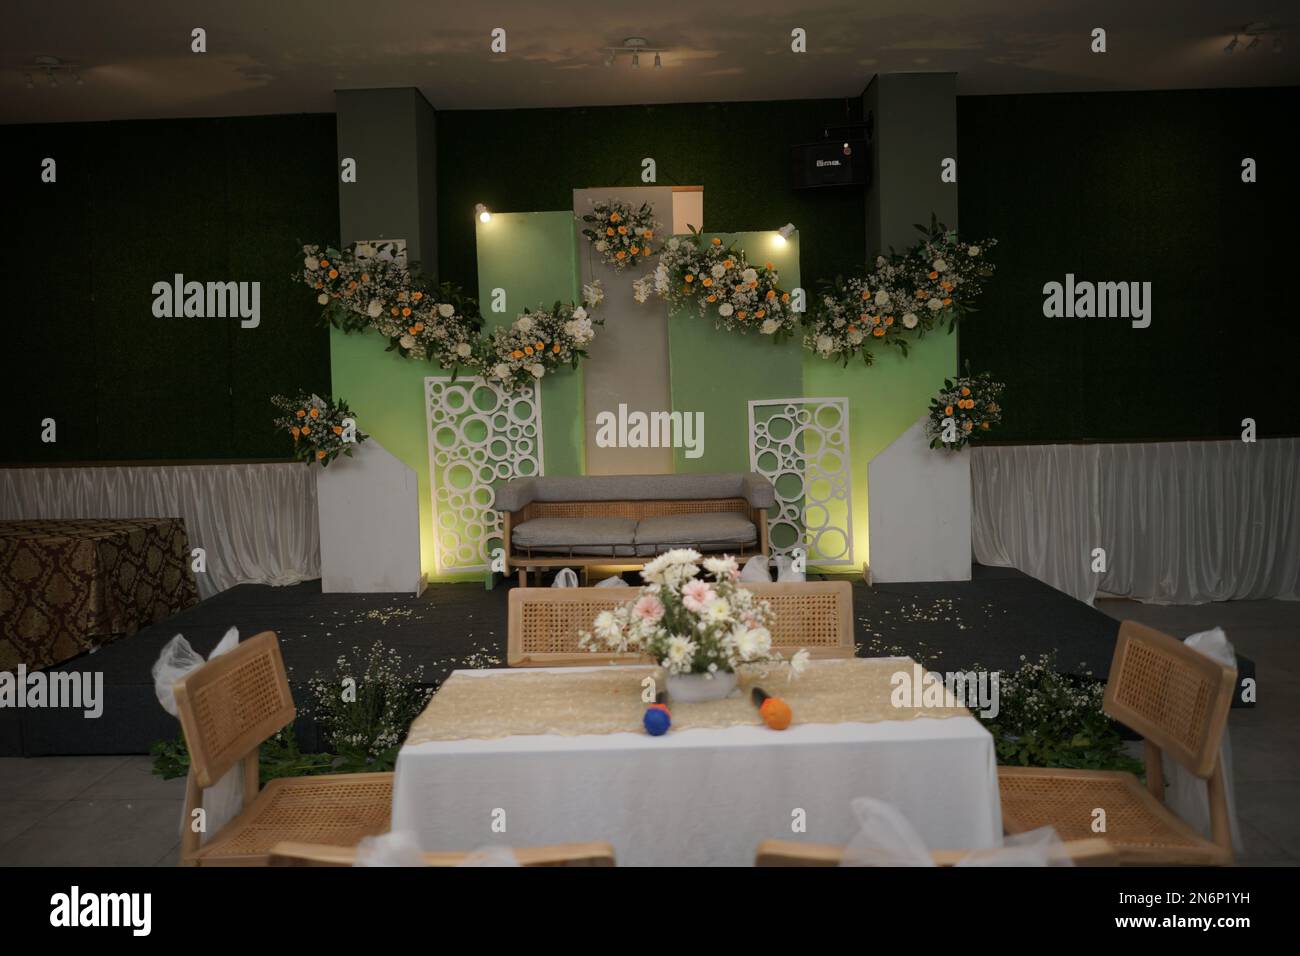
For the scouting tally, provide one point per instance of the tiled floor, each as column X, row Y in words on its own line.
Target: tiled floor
column 113, row 811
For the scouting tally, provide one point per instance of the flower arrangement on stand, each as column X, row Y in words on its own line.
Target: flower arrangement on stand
column 931, row 285
column 321, row 429
column 721, row 282
column 621, row 235
column 698, row 628
column 965, row 407
column 540, row 342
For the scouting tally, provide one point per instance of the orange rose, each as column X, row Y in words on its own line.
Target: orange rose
column 556, row 348
column 301, row 414
column 649, row 234
column 771, row 294
column 690, row 278
column 315, row 413
column 760, row 313
column 393, row 310
column 528, row 350
column 947, row 301
column 713, row 298
column 365, row 277
column 334, row 273
column 878, row 331
column 539, row 346
column 707, row 281
column 726, row 263
column 324, row 263
column 615, row 217
column 609, row 231
column 716, row 241
column 620, row 254
column 337, row 429
column 319, row 455
column 947, row 410
column 417, row 296
column 785, row 296
column 295, row 431
column 406, row 311
column 306, row 430
column 516, row 354
column 622, row 230
column 965, row 390
column 740, row 315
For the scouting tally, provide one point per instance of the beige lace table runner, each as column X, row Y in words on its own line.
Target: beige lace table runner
column 570, row 703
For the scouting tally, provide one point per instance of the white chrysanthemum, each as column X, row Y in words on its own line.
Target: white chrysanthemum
column 407, row 341
column 882, row 297
column 601, row 245
column 825, row 344
column 463, row 349
column 375, row 309
column 679, row 653
column 606, row 626
column 537, row 370
column 524, row 323
column 323, row 299
column 725, row 309
column 720, row 567
column 312, row 263
column 974, row 250
column 446, row 310
column 501, row 370
column 769, row 326
column 749, row 275
column 718, row 270
column 910, row 320
column 717, row 611
column 940, row 265
column 934, row 305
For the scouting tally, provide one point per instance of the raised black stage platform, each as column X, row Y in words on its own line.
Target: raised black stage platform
column 991, row 621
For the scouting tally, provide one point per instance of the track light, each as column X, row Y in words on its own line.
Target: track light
column 783, row 234
column 482, row 212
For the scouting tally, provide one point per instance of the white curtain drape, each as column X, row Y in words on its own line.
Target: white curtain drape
column 1180, row 522
column 256, row 523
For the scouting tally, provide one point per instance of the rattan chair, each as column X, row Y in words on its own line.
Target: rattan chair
column 227, row 708
column 564, row 854
column 1093, row 852
column 1178, row 700
column 544, row 622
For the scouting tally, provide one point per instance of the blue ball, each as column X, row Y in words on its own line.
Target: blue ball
column 656, row 721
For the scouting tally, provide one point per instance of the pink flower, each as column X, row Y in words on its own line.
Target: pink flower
column 696, row 594
column 649, row 608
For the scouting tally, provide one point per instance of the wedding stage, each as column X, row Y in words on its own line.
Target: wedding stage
column 989, row 621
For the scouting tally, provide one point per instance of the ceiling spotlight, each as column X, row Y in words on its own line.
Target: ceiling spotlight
column 783, row 234
column 658, row 62
column 482, row 212
column 1232, row 45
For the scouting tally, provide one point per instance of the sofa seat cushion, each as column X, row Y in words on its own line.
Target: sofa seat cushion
column 709, row 531
column 596, row 536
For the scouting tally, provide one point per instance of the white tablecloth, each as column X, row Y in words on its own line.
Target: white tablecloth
column 699, row 797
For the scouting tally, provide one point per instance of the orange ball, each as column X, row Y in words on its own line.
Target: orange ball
column 776, row 713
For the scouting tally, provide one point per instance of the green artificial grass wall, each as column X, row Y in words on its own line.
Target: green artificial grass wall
column 1136, row 187
column 133, row 204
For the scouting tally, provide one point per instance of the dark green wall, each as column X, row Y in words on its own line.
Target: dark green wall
column 136, row 202
column 1137, row 186
column 532, row 160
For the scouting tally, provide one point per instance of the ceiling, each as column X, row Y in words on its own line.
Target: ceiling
column 288, row 56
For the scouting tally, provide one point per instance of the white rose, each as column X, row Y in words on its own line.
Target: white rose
column 524, row 324
column 882, row 297
column 825, row 344
column 910, row 320
column 974, row 250
column 718, row 271
column 725, row 309
column 770, row 326
column 672, row 243
column 749, row 275
column 323, row 299
column 880, row 261
column 375, row 309
column 312, row 263
column 463, row 349
column 934, row 305
column 601, row 245
column 407, row 342
column 579, row 313
column 940, row 265
column 446, row 310
column 537, row 370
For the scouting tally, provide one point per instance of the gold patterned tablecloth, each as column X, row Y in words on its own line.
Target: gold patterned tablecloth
column 570, row 702
column 67, row 586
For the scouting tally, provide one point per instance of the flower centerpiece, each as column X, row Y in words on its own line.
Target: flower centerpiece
column 698, row 626
column 965, row 407
column 621, row 235
column 542, row 341
column 321, row 429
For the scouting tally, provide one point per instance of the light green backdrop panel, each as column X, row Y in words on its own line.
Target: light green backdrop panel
column 884, row 400
column 533, row 257
column 717, row 372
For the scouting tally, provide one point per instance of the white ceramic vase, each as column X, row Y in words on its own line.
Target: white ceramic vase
column 693, row 688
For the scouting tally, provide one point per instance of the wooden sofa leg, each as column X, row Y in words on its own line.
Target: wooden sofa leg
column 523, row 577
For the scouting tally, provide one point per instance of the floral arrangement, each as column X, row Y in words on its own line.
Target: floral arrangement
column 964, row 407
column 621, row 235
column 321, row 430
column 931, row 285
column 691, row 624
column 368, row 286
column 720, row 280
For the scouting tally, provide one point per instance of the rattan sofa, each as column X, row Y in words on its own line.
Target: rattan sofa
column 625, row 520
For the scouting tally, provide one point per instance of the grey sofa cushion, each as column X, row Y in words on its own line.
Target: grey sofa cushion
column 712, row 532
column 576, row 535
column 513, row 495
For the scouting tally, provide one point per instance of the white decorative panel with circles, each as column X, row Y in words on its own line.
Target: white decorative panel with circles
column 479, row 437
column 801, row 445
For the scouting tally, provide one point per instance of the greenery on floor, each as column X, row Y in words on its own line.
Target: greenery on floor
column 363, row 711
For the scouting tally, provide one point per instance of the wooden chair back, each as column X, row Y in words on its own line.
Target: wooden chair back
column 231, row 704
column 544, row 622
column 1173, row 695
column 1093, row 852
column 565, row 854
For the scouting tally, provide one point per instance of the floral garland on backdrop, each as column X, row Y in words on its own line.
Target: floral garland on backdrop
column 321, row 429
column 964, row 406
column 619, row 233
column 930, row 285
column 722, row 283
column 368, row 286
